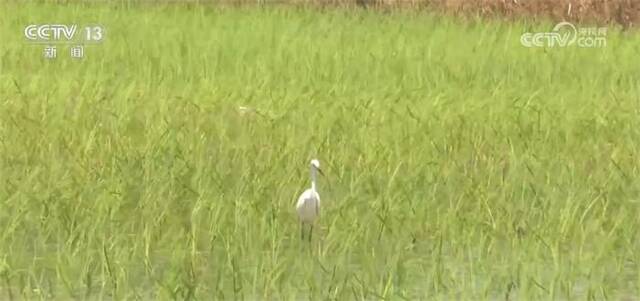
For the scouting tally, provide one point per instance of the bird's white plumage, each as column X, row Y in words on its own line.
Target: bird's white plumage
column 308, row 206
column 315, row 163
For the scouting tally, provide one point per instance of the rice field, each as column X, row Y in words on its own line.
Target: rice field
column 460, row 165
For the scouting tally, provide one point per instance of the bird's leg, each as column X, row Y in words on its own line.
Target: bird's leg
column 301, row 231
column 310, row 232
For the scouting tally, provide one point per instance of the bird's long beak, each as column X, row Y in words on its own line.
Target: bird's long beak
column 320, row 171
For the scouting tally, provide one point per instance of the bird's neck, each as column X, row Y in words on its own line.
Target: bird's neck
column 313, row 179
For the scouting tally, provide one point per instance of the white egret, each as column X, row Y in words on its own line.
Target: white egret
column 308, row 206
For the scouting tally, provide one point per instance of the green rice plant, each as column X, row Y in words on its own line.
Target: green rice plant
column 165, row 164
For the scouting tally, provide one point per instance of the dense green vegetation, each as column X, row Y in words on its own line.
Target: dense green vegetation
column 461, row 165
